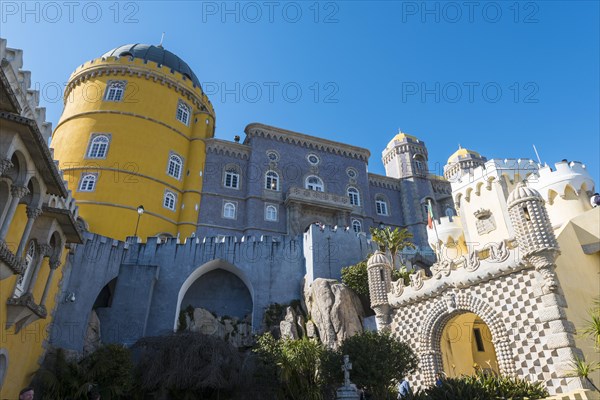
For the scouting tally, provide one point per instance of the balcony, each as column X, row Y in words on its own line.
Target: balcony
column 9, row 263
column 318, row 199
column 22, row 311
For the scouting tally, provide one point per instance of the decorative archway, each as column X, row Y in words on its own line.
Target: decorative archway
column 218, row 264
column 443, row 310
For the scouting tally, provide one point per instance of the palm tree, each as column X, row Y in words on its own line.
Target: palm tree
column 393, row 241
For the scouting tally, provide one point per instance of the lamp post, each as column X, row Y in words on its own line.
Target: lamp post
column 140, row 211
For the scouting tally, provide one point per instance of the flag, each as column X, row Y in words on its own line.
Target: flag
column 429, row 215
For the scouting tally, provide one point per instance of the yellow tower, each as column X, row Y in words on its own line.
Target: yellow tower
column 132, row 133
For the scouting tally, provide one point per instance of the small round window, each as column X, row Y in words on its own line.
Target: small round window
column 272, row 155
column 352, row 173
column 312, row 159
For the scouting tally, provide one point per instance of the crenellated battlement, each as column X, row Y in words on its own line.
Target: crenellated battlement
column 27, row 98
column 512, row 169
column 141, row 68
column 566, row 174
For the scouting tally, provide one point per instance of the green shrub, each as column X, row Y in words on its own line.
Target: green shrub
column 484, row 387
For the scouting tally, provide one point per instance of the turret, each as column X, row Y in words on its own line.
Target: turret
column 380, row 282
column 566, row 190
column 405, row 156
column 462, row 162
column 447, row 238
column 534, row 233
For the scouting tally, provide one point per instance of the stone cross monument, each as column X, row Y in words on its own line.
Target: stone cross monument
column 349, row 390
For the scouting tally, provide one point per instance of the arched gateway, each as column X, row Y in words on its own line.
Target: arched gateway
column 219, row 287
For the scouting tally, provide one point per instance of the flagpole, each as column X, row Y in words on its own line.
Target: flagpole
column 437, row 243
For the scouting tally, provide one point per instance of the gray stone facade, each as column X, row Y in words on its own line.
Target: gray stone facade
column 296, row 157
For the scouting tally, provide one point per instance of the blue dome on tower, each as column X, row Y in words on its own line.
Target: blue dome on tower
column 157, row 54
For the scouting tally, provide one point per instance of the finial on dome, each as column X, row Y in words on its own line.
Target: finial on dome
column 162, row 38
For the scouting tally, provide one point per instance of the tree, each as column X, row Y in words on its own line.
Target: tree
column 187, row 365
column 298, row 365
column 109, row 369
column 392, row 241
column 356, row 277
column 378, row 360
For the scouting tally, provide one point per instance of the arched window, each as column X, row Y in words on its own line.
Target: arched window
column 183, row 113
column 88, row 183
column 356, row 226
column 98, row 146
column 115, row 91
column 175, row 166
column 232, row 178
column 229, row 210
column 170, row 200
column 419, row 164
column 26, row 275
column 272, row 180
column 271, row 213
column 314, row 183
column 354, row 196
column 381, row 205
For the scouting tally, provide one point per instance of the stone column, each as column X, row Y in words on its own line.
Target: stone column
column 42, row 251
column 54, row 264
column 32, row 214
column 17, row 192
column 5, row 165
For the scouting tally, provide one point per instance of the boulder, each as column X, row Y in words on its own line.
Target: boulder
column 92, row 341
column 288, row 327
column 335, row 310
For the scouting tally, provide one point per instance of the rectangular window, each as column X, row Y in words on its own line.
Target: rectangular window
column 478, row 339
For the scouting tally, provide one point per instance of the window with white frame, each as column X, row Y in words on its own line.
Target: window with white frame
column 314, row 183
column 381, row 205
column 114, row 91
column 98, row 146
column 354, row 196
column 175, row 166
column 170, row 200
column 183, row 112
column 272, row 180
column 26, row 275
column 229, row 210
column 356, row 226
column 231, row 178
column 87, row 183
column 271, row 213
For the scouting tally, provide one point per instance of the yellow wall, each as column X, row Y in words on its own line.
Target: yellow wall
column 579, row 277
column 144, row 131
column 459, row 348
column 25, row 348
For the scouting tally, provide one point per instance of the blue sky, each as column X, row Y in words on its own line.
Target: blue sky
column 495, row 77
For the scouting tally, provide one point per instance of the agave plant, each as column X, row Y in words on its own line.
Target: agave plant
column 583, row 370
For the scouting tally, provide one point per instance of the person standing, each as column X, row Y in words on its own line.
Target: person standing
column 404, row 391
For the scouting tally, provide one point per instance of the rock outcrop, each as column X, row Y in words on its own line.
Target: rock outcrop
column 92, row 341
column 335, row 310
column 235, row 331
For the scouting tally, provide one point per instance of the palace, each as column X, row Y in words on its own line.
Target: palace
column 173, row 217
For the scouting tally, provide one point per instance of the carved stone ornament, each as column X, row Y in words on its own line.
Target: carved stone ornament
column 441, row 268
column 550, row 282
column 471, row 262
column 450, row 299
column 485, row 221
column 398, row 287
column 416, row 280
column 498, row 252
